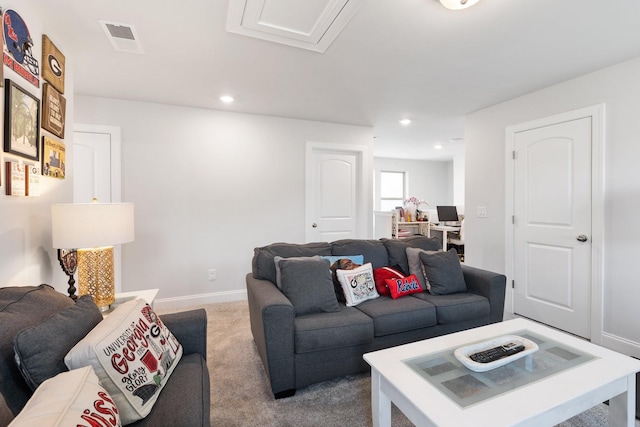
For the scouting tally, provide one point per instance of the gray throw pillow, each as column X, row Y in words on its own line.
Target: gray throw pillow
column 307, row 283
column 40, row 350
column 443, row 271
column 415, row 266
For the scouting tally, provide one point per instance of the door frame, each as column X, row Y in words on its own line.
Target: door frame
column 364, row 204
column 116, row 182
column 597, row 114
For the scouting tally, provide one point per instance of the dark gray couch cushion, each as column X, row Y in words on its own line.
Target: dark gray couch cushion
column 456, row 308
column 344, row 328
column 40, row 349
column 443, row 272
column 21, row 307
column 307, row 283
column 185, row 399
column 400, row 315
column 374, row 251
column 397, row 248
column 262, row 264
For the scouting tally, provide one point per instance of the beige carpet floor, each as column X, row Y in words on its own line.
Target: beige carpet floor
column 240, row 395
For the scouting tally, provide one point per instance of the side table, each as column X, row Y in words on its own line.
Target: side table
column 149, row 295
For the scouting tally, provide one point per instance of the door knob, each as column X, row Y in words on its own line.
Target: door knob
column 582, row 238
column 314, row 225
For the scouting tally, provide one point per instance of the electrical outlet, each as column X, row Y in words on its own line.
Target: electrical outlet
column 481, row 211
column 213, row 275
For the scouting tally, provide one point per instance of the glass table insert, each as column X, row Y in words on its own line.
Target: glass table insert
column 466, row 387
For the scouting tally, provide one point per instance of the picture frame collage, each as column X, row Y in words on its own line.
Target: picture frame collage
column 34, row 114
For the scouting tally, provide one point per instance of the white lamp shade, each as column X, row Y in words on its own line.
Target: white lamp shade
column 458, row 4
column 91, row 225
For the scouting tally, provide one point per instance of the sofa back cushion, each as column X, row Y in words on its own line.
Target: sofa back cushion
column 397, row 249
column 374, row 251
column 21, row 307
column 263, row 267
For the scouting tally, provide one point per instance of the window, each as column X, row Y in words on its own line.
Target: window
column 391, row 190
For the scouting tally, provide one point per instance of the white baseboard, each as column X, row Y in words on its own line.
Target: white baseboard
column 180, row 303
column 621, row 345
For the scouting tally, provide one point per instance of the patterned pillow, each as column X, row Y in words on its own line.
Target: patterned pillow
column 380, row 276
column 69, row 399
column 133, row 353
column 358, row 284
column 404, row 286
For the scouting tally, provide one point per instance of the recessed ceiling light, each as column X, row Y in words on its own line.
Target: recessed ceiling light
column 437, row 147
column 226, row 99
column 405, row 122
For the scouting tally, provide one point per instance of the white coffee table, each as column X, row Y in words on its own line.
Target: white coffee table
column 565, row 377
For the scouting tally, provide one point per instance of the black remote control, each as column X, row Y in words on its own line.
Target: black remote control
column 495, row 353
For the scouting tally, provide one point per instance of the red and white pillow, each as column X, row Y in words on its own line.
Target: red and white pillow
column 380, row 275
column 404, row 286
column 133, row 354
column 73, row 398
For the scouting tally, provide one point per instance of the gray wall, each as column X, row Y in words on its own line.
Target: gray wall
column 208, row 187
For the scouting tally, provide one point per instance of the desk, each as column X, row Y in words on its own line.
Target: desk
column 444, row 229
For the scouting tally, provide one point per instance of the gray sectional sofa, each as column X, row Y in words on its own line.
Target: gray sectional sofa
column 301, row 349
column 185, row 399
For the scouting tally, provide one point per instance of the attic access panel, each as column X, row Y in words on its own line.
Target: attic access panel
column 309, row 24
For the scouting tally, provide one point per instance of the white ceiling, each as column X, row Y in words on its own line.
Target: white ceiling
column 394, row 59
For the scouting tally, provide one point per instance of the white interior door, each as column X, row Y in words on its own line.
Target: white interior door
column 553, row 225
column 334, row 193
column 96, row 173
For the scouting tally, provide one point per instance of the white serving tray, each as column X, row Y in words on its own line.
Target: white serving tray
column 462, row 353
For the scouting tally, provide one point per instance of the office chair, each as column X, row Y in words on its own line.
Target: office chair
column 457, row 243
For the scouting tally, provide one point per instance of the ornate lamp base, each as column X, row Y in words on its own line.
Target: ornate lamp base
column 96, row 276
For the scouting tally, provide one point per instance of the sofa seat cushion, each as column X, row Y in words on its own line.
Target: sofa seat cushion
column 455, row 308
column 400, row 315
column 323, row 331
column 185, row 399
column 373, row 251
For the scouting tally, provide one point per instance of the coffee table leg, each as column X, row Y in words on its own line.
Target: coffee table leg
column 380, row 403
column 622, row 407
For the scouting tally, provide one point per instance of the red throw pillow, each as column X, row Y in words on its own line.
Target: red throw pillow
column 404, row 286
column 380, row 275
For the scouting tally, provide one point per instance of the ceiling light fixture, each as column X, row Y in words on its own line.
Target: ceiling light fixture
column 458, row 4
column 437, row 147
column 226, row 99
column 405, row 122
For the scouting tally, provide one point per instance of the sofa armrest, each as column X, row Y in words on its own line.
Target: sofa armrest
column 271, row 315
column 490, row 285
column 190, row 329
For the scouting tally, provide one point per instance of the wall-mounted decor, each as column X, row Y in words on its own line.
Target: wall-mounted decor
column 15, row 182
column 32, row 180
column 18, row 44
column 53, row 158
column 21, row 121
column 53, row 110
column 52, row 64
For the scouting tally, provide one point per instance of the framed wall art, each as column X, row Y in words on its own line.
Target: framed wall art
column 52, row 64
column 53, row 110
column 21, row 122
column 53, row 158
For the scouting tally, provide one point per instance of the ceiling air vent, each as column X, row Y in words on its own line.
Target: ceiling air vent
column 123, row 37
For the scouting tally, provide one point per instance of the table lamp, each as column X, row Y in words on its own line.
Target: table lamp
column 93, row 229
